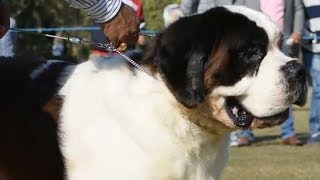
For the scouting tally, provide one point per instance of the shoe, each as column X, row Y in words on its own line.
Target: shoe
column 234, row 139
column 314, row 138
column 244, row 141
column 234, row 143
column 292, row 141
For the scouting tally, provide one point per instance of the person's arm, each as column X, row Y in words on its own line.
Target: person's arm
column 4, row 17
column 298, row 24
column 189, row 7
column 99, row 10
column 118, row 20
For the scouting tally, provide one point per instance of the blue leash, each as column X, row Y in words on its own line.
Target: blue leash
column 95, row 28
column 80, row 28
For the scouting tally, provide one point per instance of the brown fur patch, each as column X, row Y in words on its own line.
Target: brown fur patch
column 202, row 116
column 216, row 67
column 53, row 107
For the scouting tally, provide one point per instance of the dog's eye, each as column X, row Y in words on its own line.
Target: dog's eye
column 255, row 54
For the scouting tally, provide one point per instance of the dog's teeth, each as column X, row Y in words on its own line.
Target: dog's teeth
column 235, row 111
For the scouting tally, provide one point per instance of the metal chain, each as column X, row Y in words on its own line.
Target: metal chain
column 135, row 64
column 108, row 46
column 147, row 34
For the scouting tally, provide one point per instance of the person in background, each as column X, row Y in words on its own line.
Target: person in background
column 189, row 7
column 98, row 36
column 142, row 23
column 288, row 15
column 8, row 41
column 118, row 20
column 311, row 58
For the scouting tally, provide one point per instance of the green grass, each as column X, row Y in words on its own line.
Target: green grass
column 269, row 159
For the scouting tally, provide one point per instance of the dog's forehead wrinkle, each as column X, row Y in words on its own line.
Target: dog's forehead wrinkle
column 237, row 89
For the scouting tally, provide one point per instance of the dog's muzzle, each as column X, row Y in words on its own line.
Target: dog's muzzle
column 295, row 72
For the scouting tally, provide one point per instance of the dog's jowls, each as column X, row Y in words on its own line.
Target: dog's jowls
column 216, row 72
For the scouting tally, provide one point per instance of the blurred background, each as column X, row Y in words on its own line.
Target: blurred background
column 54, row 14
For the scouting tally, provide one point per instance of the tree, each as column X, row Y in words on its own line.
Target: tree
column 49, row 13
column 153, row 10
column 44, row 13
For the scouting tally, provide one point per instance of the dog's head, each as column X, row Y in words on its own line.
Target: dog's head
column 229, row 60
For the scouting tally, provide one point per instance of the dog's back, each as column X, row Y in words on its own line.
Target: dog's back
column 28, row 136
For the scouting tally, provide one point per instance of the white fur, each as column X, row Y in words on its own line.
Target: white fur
column 119, row 126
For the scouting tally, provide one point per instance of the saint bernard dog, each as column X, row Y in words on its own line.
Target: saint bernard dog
column 215, row 72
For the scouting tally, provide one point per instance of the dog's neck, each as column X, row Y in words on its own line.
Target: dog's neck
column 202, row 142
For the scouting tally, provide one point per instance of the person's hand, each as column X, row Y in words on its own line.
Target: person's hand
column 123, row 28
column 296, row 38
column 4, row 18
column 142, row 40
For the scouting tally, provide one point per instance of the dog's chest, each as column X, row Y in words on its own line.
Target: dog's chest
column 191, row 165
column 111, row 153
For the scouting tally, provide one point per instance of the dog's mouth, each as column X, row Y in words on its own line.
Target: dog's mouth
column 244, row 119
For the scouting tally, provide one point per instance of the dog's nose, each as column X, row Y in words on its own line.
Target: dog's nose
column 295, row 70
column 302, row 98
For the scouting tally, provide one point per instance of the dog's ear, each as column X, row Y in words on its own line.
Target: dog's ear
column 183, row 71
column 193, row 91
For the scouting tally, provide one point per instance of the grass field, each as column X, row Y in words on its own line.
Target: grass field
column 269, row 159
